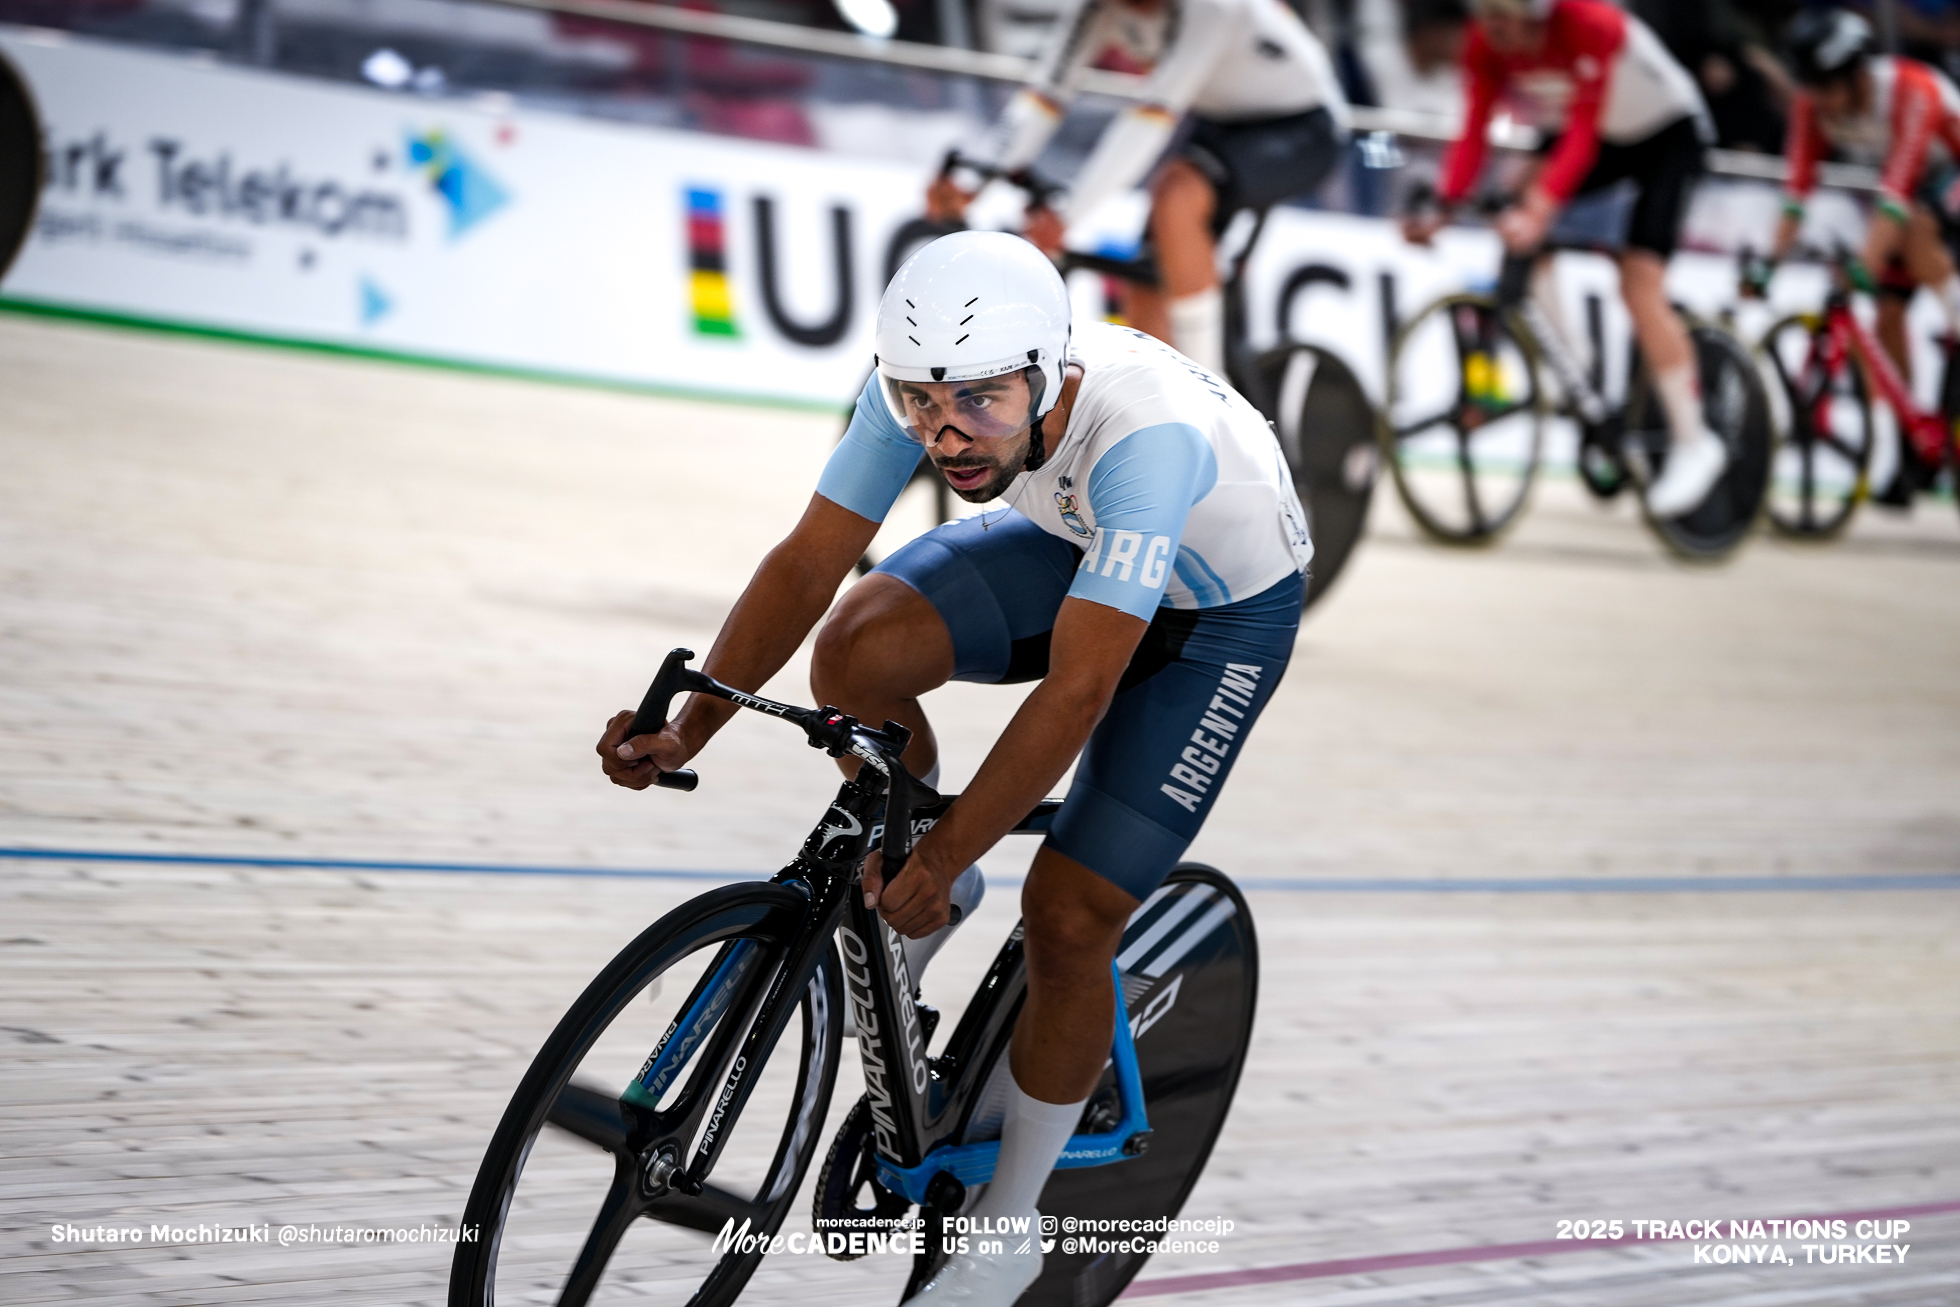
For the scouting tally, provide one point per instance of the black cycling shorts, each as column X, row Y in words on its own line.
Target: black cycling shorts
column 1665, row 168
column 1255, row 164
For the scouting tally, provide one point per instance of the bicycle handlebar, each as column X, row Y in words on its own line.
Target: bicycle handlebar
column 1040, row 190
column 836, row 733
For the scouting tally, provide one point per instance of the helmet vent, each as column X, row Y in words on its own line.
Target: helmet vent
column 970, row 303
column 939, row 374
column 963, row 321
column 962, row 339
column 913, row 339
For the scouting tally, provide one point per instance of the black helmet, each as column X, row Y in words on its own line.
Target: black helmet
column 1827, row 44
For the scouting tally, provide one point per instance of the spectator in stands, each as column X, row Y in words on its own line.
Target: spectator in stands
column 1410, row 50
column 1729, row 56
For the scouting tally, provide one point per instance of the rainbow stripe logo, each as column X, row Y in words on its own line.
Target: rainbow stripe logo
column 707, row 261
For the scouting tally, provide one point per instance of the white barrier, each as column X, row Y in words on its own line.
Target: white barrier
column 191, row 193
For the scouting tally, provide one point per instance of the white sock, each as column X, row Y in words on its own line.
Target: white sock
column 1680, row 392
column 967, row 892
column 1198, row 328
column 1031, row 1139
column 1949, row 293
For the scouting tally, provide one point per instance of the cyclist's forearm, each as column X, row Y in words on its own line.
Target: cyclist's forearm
column 1128, row 147
column 1032, row 753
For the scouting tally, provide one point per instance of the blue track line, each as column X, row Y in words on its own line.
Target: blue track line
column 1282, row 884
column 374, row 864
column 1602, row 884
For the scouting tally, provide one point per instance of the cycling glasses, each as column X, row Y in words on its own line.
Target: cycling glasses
column 985, row 408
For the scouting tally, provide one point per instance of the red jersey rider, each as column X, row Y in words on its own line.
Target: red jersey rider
column 1615, row 106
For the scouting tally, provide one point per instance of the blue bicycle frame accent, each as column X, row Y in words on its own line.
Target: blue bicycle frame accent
column 686, row 1034
column 973, row 1164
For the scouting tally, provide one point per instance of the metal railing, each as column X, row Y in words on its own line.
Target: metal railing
column 1007, row 68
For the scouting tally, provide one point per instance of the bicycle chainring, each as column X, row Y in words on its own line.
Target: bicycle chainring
column 849, row 1176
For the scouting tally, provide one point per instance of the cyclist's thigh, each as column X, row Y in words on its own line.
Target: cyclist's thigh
column 1254, row 165
column 1151, row 771
column 997, row 581
column 1666, row 165
column 1938, row 200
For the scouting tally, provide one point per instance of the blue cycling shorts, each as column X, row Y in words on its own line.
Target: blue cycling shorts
column 1197, row 682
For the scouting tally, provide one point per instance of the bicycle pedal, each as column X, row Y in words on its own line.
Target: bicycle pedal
column 1102, row 1113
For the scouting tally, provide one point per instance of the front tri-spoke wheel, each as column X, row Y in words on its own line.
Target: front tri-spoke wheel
column 1463, row 420
column 1326, row 429
column 1820, row 412
column 585, row 1195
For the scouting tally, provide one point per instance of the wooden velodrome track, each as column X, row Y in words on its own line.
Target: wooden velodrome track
column 1577, row 875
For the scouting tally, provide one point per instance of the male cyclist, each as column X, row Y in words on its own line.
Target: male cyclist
column 1615, row 106
column 1148, row 573
column 1269, row 122
column 1901, row 116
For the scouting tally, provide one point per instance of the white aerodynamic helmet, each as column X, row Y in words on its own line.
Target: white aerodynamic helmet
column 969, row 306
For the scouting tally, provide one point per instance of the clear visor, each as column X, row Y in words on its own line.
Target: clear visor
column 985, row 409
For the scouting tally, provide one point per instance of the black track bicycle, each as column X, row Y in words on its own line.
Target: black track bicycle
column 1315, row 404
column 661, row 1137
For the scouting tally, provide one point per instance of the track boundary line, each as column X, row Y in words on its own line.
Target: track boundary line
column 50, row 309
column 1495, row 1252
column 1297, row 885
column 371, row 864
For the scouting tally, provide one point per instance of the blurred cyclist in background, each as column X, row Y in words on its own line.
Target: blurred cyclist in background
column 1902, row 117
column 1614, row 106
column 1270, row 122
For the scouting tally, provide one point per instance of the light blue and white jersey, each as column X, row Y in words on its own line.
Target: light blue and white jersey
column 1172, row 485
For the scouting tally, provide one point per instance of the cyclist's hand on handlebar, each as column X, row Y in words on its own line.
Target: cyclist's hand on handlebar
column 1421, row 227
column 945, row 201
column 1524, row 224
column 918, row 902
column 637, row 762
column 1753, row 275
column 1044, row 230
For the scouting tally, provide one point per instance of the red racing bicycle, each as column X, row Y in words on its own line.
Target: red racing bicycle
column 1824, row 367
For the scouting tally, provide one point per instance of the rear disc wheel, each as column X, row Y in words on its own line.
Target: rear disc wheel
column 1326, row 428
column 1735, row 409
column 1190, row 972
